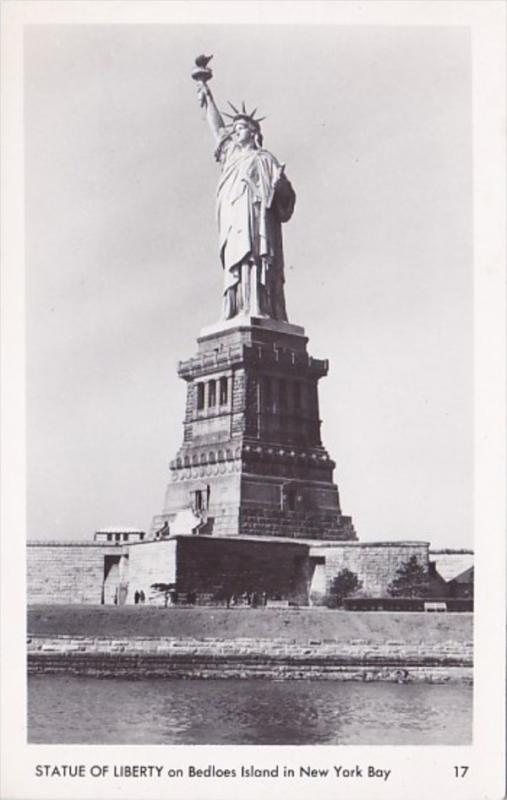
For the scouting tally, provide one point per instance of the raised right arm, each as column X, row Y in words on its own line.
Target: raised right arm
column 213, row 115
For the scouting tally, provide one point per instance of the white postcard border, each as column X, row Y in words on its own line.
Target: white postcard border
column 419, row 772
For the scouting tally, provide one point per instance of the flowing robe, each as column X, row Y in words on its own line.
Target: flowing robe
column 253, row 199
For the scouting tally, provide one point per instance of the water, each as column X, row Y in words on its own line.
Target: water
column 66, row 709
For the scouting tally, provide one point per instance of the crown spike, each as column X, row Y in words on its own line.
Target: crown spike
column 233, row 107
column 243, row 108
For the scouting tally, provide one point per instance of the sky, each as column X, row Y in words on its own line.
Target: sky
column 122, row 267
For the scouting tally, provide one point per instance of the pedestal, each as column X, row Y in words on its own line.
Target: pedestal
column 252, row 461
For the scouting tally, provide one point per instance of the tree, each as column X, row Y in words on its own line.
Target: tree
column 165, row 589
column 411, row 580
column 343, row 585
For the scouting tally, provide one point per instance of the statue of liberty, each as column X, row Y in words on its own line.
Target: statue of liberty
column 254, row 197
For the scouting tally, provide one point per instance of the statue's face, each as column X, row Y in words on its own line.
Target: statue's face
column 243, row 133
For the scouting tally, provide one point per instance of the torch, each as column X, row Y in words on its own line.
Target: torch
column 202, row 74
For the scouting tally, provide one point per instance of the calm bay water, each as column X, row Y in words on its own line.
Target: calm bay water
column 82, row 710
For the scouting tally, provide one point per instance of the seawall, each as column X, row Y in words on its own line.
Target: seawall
column 137, row 657
column 309, row 644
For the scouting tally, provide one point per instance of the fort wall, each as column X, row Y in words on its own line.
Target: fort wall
column 72, row 572
column 375, row 563
column 211, row 569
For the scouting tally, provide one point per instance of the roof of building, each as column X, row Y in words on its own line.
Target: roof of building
column 450, row 565
column 119, row 529
column 465, row 577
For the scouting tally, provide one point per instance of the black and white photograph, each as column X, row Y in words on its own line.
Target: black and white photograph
column 253, row 446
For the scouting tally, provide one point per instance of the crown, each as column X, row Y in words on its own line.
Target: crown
column 248, row 116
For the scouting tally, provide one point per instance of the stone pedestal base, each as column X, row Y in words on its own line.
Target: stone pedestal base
column 252, row 461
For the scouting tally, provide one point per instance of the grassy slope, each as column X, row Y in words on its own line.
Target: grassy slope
column 201, row 623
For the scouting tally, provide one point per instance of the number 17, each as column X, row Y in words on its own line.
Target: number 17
column 460, row 772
